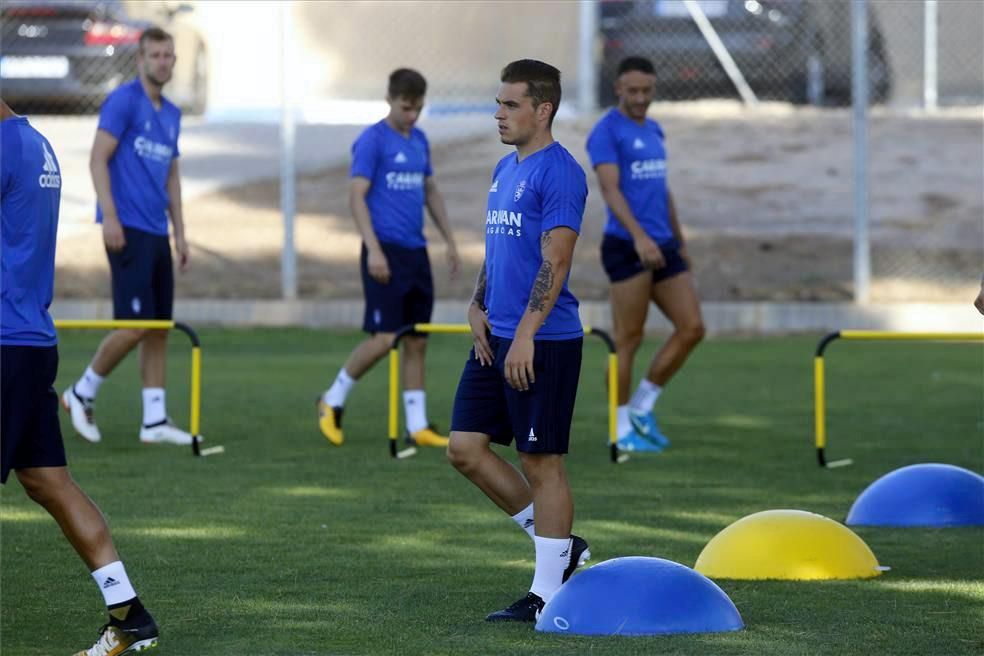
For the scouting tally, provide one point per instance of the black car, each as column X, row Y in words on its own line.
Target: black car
column 796, row 50
column 67, row 55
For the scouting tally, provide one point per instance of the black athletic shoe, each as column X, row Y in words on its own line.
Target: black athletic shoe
column 124, row 637
column 580, row 554
column 526, row 609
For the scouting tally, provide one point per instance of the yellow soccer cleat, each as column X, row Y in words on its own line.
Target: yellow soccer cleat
column 330, row 422
column 428, row 437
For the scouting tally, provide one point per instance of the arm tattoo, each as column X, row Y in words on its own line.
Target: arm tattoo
column 541, row 287
column 544, row 279
column 480, row 286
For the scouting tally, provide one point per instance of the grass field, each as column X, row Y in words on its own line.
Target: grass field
column 286, row 545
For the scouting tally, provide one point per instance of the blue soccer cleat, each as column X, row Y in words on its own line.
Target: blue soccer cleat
column 632, row 441
column 644, row 424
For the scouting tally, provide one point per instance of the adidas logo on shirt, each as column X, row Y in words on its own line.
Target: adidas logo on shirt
column 50, row 178
column 638, row 144
column 494, row 188
column 400, row 158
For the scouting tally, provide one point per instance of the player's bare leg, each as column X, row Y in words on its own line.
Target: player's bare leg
column 419, row 429
column 153, row 358
column 78, row 517
column 630, row 306
column 501, row 482
column 114, row 347
column 677, row 298
column 553, row 506
column 331, row 404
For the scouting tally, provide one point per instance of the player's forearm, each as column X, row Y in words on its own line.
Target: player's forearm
column 363, row 221
column 674, row 221
column 439, row 213
column 548, row 283
column 481, row 284
column 620, row 208
column 175, row 206
column 99, row 169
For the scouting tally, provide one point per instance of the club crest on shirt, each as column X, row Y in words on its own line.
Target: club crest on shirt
column 146, row 126
column 520, row 188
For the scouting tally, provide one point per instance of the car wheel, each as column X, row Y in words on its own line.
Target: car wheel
column 199, row 84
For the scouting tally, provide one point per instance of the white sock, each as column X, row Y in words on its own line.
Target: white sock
column 339, row 390
column 415, row 408
column 553, row 555
column 622, row 423
column 525, row 520
column 154, row 406
column 114, row 583
column 88, row 385
column 645, row 396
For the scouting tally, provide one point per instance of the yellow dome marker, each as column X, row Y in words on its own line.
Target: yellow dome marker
column 787, row 544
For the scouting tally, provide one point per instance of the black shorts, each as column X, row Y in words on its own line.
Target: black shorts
column 143, row 277
column 540, row 418
column 407, row 298
column 29, row 432
column 621, row 261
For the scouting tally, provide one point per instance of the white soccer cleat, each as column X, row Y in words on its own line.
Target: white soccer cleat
column 82, row 413
column 165, row 433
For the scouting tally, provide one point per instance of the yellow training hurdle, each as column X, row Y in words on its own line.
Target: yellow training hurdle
column 453, row 328
column 819, row 398
column 196, row 359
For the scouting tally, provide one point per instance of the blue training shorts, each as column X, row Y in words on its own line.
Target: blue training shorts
column 407, row 298
column 540, row 418
column 143, row 277
column 621, row 262
column 30, row 435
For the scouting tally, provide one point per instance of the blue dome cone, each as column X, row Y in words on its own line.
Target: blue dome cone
column 638, row 596
column 932, row 495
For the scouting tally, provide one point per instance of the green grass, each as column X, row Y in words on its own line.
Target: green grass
column 287, row 545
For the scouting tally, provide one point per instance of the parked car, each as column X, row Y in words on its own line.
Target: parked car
column 67, row 55
column 797, row 50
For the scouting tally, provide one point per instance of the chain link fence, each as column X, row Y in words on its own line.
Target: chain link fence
column 754, row 96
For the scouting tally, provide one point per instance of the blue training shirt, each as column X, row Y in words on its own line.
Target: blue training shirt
column 397, row 168
column 29, row 199
column 641, row 158
column 544, row 191
column 138, row 169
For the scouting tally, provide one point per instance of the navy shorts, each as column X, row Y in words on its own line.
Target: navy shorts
column 407, row 298
column 29, row 432
column 621, row 261
column 540, row 418
column 143, row 277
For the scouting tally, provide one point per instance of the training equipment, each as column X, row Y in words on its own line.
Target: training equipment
column 637, row 596
column 82, row 413
column 931, row 494
column 787, row 544
column 196, row 358
column 819, row 396
column 454, row 328
column 526, row 609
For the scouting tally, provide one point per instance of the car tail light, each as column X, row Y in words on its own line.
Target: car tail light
column 111, row 34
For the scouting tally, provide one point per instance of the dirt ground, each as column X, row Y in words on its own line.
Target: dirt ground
column 765, row 197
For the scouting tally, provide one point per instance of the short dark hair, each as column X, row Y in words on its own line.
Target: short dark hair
column 640, row 64
column 407, row 83
column 542, row 81
column 153, row 34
